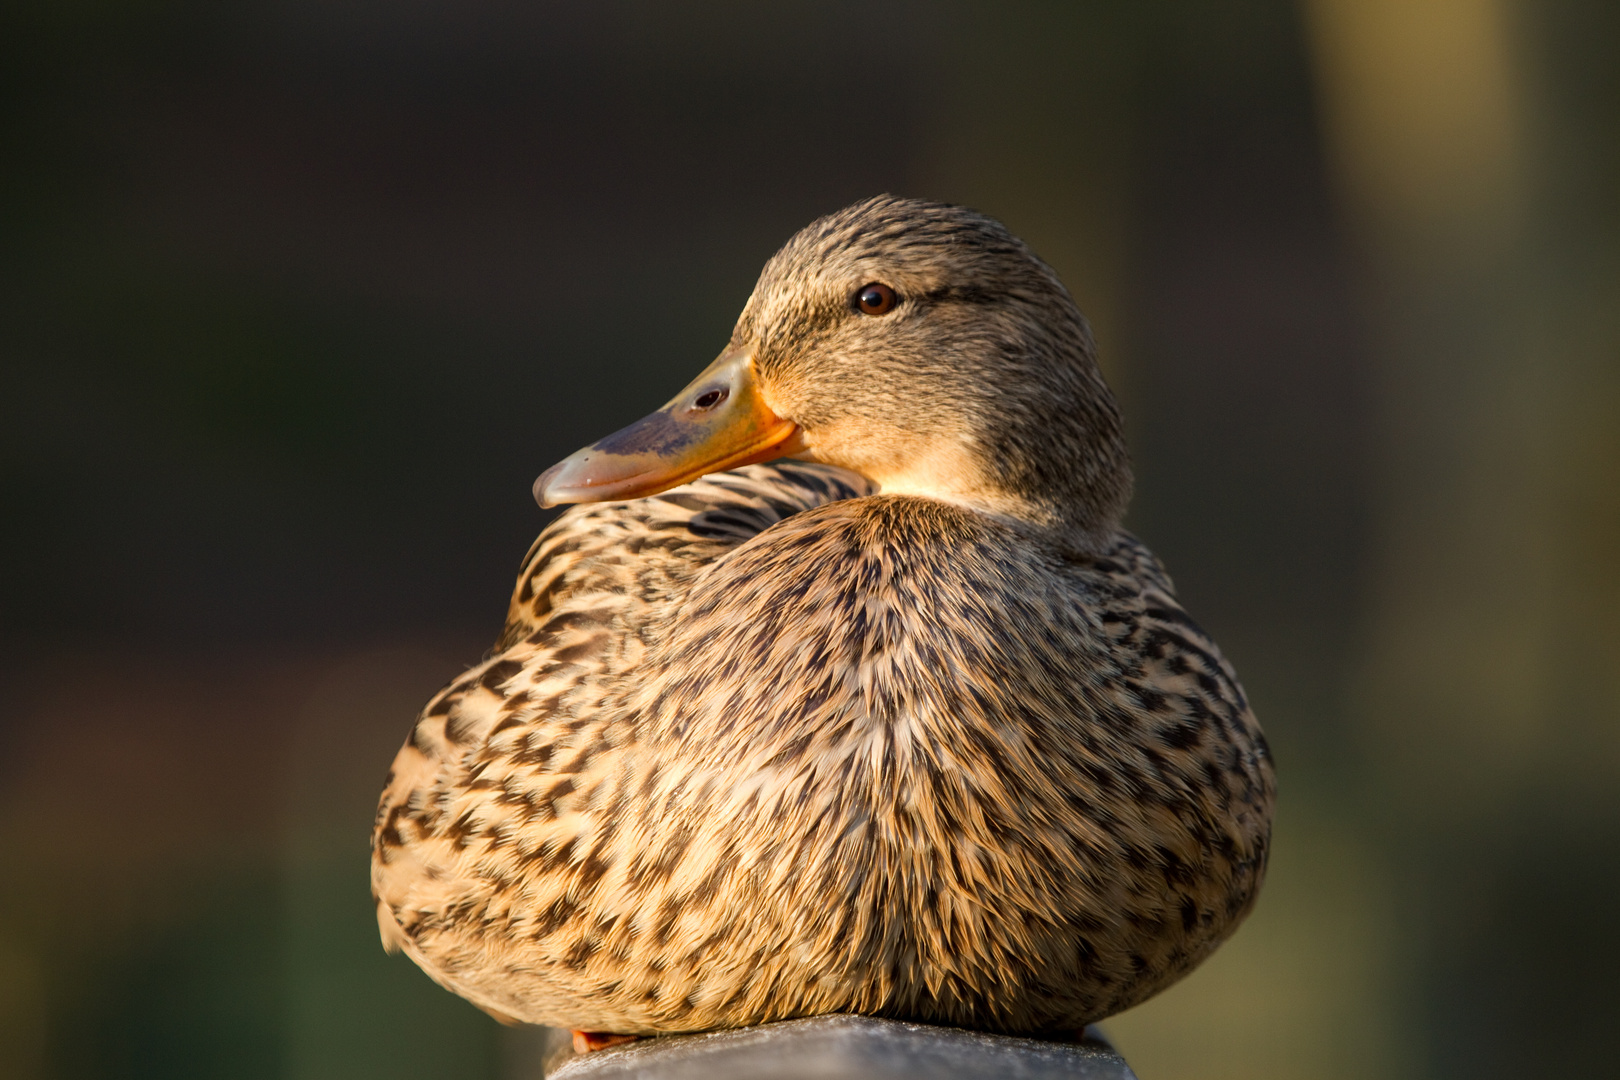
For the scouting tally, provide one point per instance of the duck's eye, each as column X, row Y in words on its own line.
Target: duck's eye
column 875, row 299
column 710, row 398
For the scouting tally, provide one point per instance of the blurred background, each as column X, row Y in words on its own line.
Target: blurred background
column 297, row 297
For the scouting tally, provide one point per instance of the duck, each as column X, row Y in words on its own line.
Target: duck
column 839, row 687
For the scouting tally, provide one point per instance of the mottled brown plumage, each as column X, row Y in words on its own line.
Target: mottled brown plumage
column 916, row 731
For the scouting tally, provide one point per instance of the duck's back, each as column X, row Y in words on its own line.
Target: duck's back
column 591, row 594
column 879, row 755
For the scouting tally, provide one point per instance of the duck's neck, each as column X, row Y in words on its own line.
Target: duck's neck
column 1064, row 478
column 1067, row 525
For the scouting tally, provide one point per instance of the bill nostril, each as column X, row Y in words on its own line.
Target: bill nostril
column 710, row 398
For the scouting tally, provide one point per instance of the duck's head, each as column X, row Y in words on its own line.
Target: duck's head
column 919, row 344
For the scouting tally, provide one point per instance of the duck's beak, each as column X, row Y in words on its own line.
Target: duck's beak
column 718, row 422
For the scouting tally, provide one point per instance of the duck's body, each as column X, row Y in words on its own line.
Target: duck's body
column 776, row 744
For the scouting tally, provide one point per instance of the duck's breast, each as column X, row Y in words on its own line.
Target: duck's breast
column 965, row 779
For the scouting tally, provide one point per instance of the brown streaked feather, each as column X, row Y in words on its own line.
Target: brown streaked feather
column 770, row 745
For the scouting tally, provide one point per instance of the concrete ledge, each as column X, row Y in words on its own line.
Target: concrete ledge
column 848, row 1048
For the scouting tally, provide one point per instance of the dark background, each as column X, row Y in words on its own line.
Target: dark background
column 297, row 298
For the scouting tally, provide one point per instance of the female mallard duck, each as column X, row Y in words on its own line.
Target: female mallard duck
column 914, row 730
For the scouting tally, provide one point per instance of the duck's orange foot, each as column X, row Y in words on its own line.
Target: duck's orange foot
column 586, row 1041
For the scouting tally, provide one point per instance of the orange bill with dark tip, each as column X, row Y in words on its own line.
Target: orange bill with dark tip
column 718, row 422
